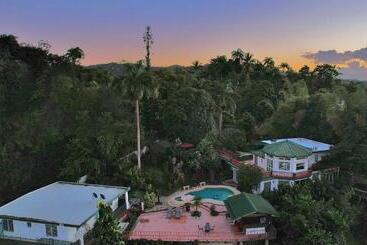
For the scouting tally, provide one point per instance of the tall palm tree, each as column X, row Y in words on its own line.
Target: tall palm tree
column 238, row 55
column 248, row 62
column 225, row 102
column 136, row 84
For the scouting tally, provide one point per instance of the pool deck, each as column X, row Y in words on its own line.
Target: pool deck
column 157, row 227
column 171, row 200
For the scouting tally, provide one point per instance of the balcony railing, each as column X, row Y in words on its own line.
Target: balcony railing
column 287, row 175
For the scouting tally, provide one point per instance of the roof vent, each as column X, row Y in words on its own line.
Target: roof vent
column 95, row 195
column 102, row 196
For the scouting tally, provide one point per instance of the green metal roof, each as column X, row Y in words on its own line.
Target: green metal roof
column 246, row 204
column 287, row 149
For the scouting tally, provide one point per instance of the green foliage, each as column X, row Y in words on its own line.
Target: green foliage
column 150, row 197
column 233, row 139
column 313, row 213
column 106, row 230
column 248, row 177
column 188, row 115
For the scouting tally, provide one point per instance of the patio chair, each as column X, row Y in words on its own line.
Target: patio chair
column 178, row 213
column 202, row 183
column 169, row 213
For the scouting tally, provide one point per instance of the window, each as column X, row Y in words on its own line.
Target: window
column 29, row 224
column 284, row 166
column 8, row 225
column 300, row 166
column 51, row 230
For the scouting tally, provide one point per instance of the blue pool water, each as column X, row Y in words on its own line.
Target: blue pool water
column 219, row 194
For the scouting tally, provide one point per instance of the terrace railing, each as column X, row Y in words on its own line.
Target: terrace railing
column 180, row 236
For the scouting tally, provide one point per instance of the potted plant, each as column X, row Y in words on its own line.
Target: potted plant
column 187, row 206
column 197, row 202
column 213, row 210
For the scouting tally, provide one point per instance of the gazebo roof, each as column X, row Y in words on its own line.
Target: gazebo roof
column 246, row 204
column 287, row 149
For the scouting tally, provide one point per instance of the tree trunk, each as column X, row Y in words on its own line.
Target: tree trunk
column 220, row 123
column 138, row 131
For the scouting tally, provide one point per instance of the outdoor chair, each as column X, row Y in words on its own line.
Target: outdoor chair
column 202, row 183
column 169, row 213
column 178, row 213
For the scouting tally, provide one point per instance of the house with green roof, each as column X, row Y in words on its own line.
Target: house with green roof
column 285, row 161
column 251, row 213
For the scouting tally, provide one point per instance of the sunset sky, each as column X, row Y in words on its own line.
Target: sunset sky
column 297, row 32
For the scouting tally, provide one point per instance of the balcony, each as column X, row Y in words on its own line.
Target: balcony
column 287, row 175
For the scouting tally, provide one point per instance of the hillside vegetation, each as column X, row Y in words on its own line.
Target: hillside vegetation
column 61, row 120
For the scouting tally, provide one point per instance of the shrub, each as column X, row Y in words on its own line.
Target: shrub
column 248, row 177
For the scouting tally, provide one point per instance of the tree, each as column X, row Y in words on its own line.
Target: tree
column 248, row 177
column 148, row 41
column 106, row 229
column 223, row 95
column 248, row 62
column 74, row 55
column 238, row 55
column 188, row 114
column 137, row 84
column 324, row 76
column 313, row 213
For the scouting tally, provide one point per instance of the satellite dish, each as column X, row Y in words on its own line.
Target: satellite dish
column 95, row 195
column 102, row 196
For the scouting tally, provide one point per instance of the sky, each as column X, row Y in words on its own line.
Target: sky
column 298, row 32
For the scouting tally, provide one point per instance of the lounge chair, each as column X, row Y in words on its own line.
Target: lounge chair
column 202, row 183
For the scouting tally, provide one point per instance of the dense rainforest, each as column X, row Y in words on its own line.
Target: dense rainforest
column 60, row 120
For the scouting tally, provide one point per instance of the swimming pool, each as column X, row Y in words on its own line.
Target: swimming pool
column 218, row 193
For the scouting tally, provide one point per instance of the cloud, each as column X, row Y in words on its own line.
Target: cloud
column 335, row 57
column 355, row 71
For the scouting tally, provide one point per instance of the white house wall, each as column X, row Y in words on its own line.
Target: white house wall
column 262, row 163
column 38, row 231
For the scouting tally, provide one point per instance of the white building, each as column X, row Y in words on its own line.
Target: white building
column 59, row 213
column 288, row 161
column 283, row 161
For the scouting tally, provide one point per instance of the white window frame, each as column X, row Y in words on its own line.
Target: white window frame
column 8, row 225
column 304, row 166
column 284, row 169
column 51, row 230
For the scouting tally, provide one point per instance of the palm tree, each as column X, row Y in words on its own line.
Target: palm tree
column 225, row 103
column 136, row 84
column 248, row 62
column 284, row 67
column 238, row 55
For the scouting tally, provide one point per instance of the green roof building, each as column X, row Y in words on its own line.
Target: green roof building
column 286, row 149
column 246, row 205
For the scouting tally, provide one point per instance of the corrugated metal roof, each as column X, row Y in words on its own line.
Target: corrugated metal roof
column 314, row 145
column 61, row 203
